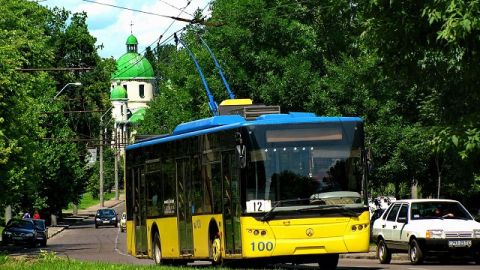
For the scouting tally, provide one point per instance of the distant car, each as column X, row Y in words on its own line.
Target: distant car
column 424, row 227
column 105, row 217
column 123, row 222
column 42, row 231
column 20, row 232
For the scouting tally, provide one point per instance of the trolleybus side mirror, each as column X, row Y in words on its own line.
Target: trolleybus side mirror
column 241, row 151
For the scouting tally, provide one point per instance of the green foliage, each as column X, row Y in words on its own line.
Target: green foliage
column 41, row 165
column 167, row 110
column 93, row 186
column 89, row 199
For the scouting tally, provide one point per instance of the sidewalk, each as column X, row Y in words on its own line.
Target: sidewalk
column 83, row 214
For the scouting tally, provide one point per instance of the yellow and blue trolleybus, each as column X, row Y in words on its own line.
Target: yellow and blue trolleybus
column 278, row 188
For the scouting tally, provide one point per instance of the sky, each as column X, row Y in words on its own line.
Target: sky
column 112, row 26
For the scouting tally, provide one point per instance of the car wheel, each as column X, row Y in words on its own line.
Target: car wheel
column 96, row 226
column 383, row 254
column 415, row 253
column 328, row 262
column 157, row 250
column 43, row 243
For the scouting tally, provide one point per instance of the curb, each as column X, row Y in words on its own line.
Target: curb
column 372, row 256
column 56, row 230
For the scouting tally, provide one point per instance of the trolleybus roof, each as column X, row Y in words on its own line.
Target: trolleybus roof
column 224, row 122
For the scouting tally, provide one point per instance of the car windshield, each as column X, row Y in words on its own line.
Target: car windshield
column 23, row 224
column 106, row 212
column 439, row 210
column 39, row 223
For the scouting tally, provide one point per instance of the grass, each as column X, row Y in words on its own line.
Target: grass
column 88, row 200
column 50, row 261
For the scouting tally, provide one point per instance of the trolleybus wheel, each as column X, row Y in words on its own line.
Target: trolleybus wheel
column 157, row 251
column 328, row 262
column 216, row 251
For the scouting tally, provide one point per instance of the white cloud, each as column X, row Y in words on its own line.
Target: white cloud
column 111, row 26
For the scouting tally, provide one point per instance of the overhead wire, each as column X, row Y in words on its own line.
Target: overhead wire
column 140, row 11
column 182, row 11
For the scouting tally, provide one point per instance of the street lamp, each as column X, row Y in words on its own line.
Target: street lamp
column 66, row 85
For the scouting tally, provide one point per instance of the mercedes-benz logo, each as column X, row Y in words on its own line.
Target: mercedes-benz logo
column 309, row 232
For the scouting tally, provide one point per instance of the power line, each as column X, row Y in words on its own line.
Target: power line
column 55, row 69
column 145, row 12
column 181, row 9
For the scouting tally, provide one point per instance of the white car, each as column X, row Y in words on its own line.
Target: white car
column 421, row 227
column 123, row 222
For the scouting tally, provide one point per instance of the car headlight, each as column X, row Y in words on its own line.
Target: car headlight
column 7, row 233
column 434, row 234
column 97, row 219
column 476, row 233
column 114, row 218
column 29, row 234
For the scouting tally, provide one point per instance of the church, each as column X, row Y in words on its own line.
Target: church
column 132, row 87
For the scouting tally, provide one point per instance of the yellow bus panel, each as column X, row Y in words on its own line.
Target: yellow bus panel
column 200, row 234
column 130, row 237
column 304, row 236
column 168, row 230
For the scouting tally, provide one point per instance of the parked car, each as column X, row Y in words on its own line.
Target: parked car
column 123, row 222
column 106, row 216
column 423, row 227
column 20, row 232
column 42, row 231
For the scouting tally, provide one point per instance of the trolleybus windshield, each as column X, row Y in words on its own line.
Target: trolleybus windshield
column 293, row 167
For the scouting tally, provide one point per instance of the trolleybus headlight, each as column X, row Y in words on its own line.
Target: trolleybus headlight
column 263, row 233
column 255, row 232
column 354, row 228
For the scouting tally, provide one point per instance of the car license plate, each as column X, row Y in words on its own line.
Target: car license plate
column 460, row 243
column 17, row 238
column 106, row 221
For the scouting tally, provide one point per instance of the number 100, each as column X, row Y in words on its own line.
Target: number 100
column 261, row 246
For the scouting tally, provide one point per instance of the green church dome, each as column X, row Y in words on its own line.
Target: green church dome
column 132, row 40
column 118, row 93
column 137, row 116
column 133, row 66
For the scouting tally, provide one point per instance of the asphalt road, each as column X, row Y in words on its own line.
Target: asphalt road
column 107, row 244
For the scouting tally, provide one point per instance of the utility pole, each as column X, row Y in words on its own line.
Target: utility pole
column 102, row 201
column 116, row 161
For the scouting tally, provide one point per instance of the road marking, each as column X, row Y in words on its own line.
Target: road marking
column 116, row 244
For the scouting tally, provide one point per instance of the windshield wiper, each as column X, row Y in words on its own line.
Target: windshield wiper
column 343, row 209
column 269, row 214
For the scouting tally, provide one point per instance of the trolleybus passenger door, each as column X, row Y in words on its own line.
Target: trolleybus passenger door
column 184, row 188
column 139, row 212
column 231, row 203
